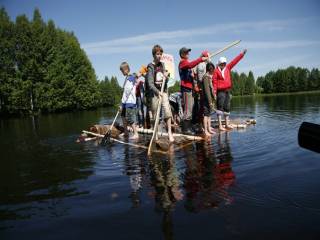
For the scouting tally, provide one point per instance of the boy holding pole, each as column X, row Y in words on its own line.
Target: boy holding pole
column 128, row 102
column 156, row 76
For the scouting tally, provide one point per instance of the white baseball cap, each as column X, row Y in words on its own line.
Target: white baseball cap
column 222, row 60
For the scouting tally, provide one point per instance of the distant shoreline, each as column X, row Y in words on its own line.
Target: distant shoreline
column 277, row 94
column 5, row 116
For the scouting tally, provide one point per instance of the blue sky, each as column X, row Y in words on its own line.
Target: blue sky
column 277, row 34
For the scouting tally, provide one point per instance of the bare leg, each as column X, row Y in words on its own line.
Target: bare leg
column 227, row 123
column 125, row 126
column 221, row 128
column 171, row 139
column 135, row 132
column 205, row 125
column 209, row 126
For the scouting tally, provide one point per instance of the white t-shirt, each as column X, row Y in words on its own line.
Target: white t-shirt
column 129, row 92
column 201, row 70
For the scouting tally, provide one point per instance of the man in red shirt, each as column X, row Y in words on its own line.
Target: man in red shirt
column 222, row 85
column 187, row 86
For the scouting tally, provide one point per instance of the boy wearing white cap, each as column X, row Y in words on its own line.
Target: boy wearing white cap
column 222, row 84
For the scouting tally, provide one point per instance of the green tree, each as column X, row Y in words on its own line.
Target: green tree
column 21, row 97
column 174, row 88
column 250, row 84
column 314, row 79
column 110, row 91
column 235, row 84
column 7, row 60
column 242, row 84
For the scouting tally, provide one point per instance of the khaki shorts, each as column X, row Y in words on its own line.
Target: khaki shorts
column 165, row 106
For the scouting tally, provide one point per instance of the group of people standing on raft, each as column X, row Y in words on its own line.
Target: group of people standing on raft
column 204, row 89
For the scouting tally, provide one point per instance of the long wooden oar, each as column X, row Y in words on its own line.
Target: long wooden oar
column 224, row 49
column 156, row 123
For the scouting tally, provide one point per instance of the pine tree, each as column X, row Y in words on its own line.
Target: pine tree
column 22, row 95
column 7, row 60
column 242, row 84
column 38, row 56
column 235, row 83
column 314, row 79
column 250, row 84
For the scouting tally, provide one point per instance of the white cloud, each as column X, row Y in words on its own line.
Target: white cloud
column 144, row 42
column 252, row 45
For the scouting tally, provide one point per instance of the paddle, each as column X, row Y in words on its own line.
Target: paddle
column 156, row 123
column 106, row 137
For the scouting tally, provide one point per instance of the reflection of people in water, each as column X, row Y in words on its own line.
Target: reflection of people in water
column 224, row 173
column 135, row 170
column 164, row 179
column 208, row 176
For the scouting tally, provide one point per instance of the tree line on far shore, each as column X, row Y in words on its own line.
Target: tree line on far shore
column 291, row 79
column 44, row 69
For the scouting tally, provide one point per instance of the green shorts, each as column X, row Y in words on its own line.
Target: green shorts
column 130, row 114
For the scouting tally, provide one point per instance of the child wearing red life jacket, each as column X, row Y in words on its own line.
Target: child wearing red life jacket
column 222, row 84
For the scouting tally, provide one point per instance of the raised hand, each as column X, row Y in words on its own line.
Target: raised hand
column 204, row 59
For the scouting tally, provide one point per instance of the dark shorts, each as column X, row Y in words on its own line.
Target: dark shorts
column 130, row 114
column 206, row 110
column 223, row 101
column 174, row 107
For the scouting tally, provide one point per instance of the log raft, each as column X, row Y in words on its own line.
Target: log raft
column 97, row 131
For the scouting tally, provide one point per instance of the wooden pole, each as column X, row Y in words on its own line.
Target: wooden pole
column 114, row 120
column 156, row 123
column 224, row 49
column 119, row 141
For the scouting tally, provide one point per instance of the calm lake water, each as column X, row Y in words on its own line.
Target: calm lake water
column 251, row 184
